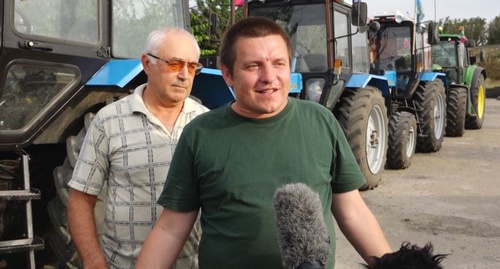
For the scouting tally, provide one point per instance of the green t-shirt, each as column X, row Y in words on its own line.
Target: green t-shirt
column 231, row 166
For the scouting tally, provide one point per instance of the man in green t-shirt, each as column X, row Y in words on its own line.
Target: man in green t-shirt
column 230, row 161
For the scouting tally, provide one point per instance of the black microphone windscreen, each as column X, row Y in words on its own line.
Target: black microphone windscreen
column 302, row 234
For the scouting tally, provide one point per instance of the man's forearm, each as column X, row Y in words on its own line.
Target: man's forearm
column 166, row 239
column 366, row 237
column 359, row 225
column 81, row 222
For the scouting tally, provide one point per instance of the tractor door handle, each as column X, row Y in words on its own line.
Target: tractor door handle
column 34, row 45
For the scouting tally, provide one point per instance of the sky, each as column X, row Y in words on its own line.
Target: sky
column 455, row 9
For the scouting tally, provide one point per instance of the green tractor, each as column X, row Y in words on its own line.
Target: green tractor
column 466, row 89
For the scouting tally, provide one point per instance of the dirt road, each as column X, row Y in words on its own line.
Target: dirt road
column 451, row 198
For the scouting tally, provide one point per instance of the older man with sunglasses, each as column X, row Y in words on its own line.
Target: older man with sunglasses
column 127, row 153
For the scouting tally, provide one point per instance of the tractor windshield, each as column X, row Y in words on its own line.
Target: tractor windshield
column 390, row 49
column 444, row 54
column 133, row 20
column 32, row 87
column 306, row 26
column 63, row 21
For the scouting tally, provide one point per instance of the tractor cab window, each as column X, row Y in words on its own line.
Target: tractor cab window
column 444, row 55
column 78, row 21
column 462, row 56
column 342, row 42
column 133, row 21
column 392, row 49
column 29, row 89
column 360, row 59
column 305, row 24
column 424, row 50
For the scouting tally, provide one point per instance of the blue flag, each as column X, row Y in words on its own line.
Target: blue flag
column 419, row 10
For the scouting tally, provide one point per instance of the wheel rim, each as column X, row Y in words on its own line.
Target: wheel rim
column 480, row 101
column 411, row 142
column 375, row 139
column 439, row 116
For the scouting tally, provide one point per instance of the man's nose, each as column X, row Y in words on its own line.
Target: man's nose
column 268, row 74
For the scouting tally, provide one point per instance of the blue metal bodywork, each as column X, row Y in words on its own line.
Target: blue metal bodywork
column 362, row 80
column 209, row 86
column 116, row 73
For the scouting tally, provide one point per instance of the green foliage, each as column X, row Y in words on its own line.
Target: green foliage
column 200, row 23
column 492, row 69
column 494, row 31
column 134, row 20
column 492, row 60
column 475, row 28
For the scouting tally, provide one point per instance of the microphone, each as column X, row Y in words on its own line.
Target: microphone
column 302, row 234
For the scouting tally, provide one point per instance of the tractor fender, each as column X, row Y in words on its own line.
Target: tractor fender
column 116, row 72
column 471, row 72
column 432, row 76
column 471, row 75
column 211, row 89
column 296, row 83
column 357, row 81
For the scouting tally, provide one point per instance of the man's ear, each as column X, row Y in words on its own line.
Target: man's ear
column 146, row 63
column 226, row 75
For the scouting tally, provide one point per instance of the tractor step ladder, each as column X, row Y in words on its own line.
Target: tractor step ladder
column 28, row 243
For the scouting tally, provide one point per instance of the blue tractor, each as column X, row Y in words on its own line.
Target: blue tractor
column 60, row 62
column 400, row 49
column 330, row 66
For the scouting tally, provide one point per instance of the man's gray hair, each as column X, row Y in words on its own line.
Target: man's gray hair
column 156, row 38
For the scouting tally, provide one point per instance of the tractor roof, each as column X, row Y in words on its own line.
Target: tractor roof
column 450, row 37
column 396, row 16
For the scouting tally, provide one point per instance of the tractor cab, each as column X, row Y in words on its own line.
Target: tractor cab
column 323, row 42
column 401, row 50
column 451, row 56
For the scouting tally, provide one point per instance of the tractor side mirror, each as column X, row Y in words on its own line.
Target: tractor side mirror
column 472, row 60
column 359, row 14
column 374, row 27
column 433, row 34
column 470, row 43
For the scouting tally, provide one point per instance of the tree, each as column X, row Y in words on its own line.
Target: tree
column 494, row 31
column 200, row 23
column 475, row 28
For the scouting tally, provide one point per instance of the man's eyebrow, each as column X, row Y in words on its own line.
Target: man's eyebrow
column 182, row 60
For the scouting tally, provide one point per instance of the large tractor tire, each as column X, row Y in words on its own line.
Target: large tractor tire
column 402, row 140
column 60, row 241
column 455, row 112
column 430, row 103
column 478, row 99
column 363, row 117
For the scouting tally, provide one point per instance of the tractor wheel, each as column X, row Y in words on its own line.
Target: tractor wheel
column 455, row 111
column 363, row 117
column 477, row 95
column 60, row 241
column 402, row 140
column 430, row 103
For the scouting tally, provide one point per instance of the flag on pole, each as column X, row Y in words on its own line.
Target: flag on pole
column 419, row 10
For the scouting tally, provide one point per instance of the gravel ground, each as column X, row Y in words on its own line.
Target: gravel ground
column 450, row 198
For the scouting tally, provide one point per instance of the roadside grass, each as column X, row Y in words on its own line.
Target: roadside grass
column 489, row 83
